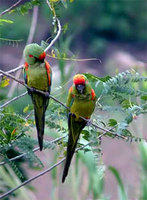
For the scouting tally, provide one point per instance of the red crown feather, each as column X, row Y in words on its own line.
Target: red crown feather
column 79, row 79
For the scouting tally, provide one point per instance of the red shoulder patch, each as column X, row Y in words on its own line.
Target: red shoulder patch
column 48, row 69
column 26, row 65
column 70, row 90
column 92, row 94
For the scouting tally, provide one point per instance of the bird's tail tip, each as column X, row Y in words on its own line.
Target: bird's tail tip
column 63, row 178
column 40, row 140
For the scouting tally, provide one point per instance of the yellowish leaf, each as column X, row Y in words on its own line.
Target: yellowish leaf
column 13, row 132
column 26, row 124
column 26, row 109
column 4, row 82
column 53, row 54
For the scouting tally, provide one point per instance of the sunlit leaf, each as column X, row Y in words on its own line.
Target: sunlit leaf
column 4, row 82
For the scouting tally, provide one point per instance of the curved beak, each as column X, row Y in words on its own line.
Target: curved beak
column 80, row 88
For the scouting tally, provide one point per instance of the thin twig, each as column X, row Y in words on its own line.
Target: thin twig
column 34, row 150
column 11, row 8
column 47, row 170
column 56, row 37
column 45, row 93
column 74, row 59
column 13, row 70
column 33, row 178
column 29, row 115
column 14, row 99
column 59, row 28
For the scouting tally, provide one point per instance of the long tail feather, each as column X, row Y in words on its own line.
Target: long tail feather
column 75, row 129
column 40, row 106
column 40, row 120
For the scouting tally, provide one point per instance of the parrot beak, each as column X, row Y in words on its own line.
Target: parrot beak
column 80, row 88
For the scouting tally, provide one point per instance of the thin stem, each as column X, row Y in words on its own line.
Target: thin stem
column 34, row 150
column 56, row 37
column 33, row 178
column 59, row 27
column 12, row 100
column 10, row 8
column 41, row 92
column 13, row 70
column 47, row 170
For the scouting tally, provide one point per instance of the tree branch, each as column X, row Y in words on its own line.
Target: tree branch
column 59, row 28
column 12, row 100
column 54, row 40
column 11, row 8
column 13, row 70
column 34, row 150
column 46, row 93
column 47, row 170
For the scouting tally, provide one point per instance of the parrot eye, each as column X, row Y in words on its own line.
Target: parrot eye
column 30, row 56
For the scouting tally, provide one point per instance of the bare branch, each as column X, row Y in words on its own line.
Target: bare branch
column 34, row 150
column 46, row 93
column 13, row 70
column 54, row 40
column 32, row 179
column 47, row 170
column 12, row 100
column 59, row 29
column 11, row 8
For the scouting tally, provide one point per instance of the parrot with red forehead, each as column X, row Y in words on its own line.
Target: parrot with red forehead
column 81, row 101
column 38, row 75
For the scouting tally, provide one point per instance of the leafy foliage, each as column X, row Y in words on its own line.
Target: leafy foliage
column 123, row 91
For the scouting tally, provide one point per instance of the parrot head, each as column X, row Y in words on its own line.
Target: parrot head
column 34, row 53
column 80, row 82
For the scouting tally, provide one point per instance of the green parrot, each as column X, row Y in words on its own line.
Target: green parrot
column 38, row 75
column 81, row 101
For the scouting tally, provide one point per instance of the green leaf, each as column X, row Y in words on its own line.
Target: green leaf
column 92, row 77
column 144, row 97
column 4, row 82
column 6, row 21
column 86, row 134
column 112, row 122
column 116, row 174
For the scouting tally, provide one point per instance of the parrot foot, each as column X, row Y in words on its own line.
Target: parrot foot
column 71, row 114
column 31, row 90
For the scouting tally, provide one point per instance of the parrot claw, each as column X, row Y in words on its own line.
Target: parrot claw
column 31, row 90
column 71, row 114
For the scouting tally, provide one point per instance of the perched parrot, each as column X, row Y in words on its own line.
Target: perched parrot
column 38, row 75
column 81, row 101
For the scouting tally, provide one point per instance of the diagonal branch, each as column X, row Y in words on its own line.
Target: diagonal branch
column 46, row 93
column 13, row 70
column 10, row 8
column 34, row 150
column 12, row 100
column 47, row 170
